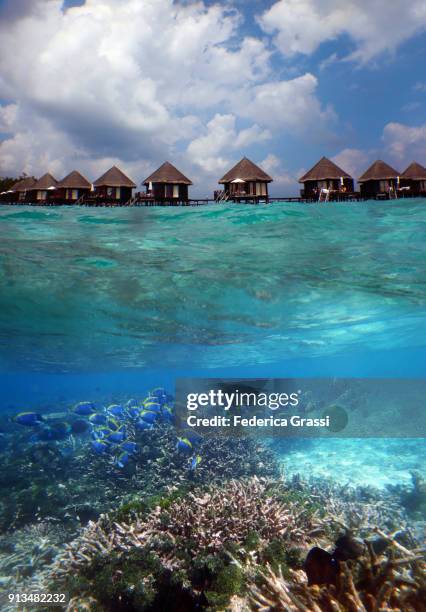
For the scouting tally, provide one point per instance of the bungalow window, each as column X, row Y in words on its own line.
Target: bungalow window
column 422, row 185
column 175, row 191
column 118, row 193
column 109, row 191
column 74, row 194
column 384, row 186
column 322, row 184
column 168, row 191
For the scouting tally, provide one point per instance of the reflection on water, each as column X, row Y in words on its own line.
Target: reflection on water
column 209, row 287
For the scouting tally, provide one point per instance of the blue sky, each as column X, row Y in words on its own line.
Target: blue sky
column 87, row 84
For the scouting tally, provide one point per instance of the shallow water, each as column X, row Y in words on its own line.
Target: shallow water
column 377, row 463
column 211, row 287
column 103, row 305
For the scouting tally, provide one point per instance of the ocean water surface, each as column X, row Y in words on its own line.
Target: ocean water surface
column 214, row 287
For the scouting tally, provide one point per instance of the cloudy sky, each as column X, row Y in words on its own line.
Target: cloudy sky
column 85, row 84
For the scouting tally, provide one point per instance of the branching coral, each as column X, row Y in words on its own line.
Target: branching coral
column 30, row 548
column 388, row 583
column 360, row 509
column 207, row 544
column 203, row 522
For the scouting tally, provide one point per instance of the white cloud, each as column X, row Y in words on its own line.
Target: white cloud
column 291, row 105
column 405, row 142
column 419, row 86
column 221, row 136
column 8, row 115
column 131, row 80
column 284, row 181
column 374, row 26
column 354, row 161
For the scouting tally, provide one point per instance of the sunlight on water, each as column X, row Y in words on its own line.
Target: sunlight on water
column 216, row 286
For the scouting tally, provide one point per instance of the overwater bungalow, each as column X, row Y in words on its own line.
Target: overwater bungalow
column 413, row 180
column 43, row 190
column 167, row 184
column 380, row 181
column 20, row 191
column 73, row 187
column 245, row 182
column 326, row 181
column 113, row 187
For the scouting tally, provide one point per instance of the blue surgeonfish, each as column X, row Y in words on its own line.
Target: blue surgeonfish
column 116, row 436
column 167, row 413
column 132, row 403
column 116, row 410
column 122, row 460
column 99, row 433
column 100, row 446
column 148, row 416
column 143, row 425
column 113, row 423
column 84, row 408
column 193, row 436
column 128, row 446
column 98, row 419
column 133, row 412
column 183, row 444
column 160, row 395
column 29, row 419
column 152, row 406
column 195, row 462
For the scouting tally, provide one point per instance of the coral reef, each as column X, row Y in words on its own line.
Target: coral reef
column 413, row 498
column 353, row 508
column 372, row 583
column 187, row 542
column 26, row 552
column 246, row 544
column 79, row 487
column 241, row 545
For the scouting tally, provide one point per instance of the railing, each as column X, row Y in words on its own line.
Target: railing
column 222, row 196
column 132, row 201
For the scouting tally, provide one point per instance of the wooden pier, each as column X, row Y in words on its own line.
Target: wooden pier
column 135, row 202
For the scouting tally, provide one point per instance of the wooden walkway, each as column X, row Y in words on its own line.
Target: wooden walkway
column 355, row 197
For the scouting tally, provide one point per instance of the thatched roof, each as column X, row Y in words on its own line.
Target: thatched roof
column 247, row 171
column 324, row 170
column 46, row 181
column 167, row 173
column 415, row 172
column 74, row 180
column 114, row 177
column 379, row 171
column 24, row 184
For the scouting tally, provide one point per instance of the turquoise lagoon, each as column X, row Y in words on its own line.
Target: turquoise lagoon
column 97, row 301
column 221, row 286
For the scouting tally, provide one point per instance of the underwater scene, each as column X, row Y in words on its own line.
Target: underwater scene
column 106, row 504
